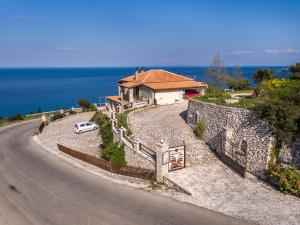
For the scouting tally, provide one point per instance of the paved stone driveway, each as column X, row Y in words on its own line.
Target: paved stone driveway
column 212, row 184
column 167, row 123
column 62, row 132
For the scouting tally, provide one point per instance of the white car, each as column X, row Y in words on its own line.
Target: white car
column 84, row 126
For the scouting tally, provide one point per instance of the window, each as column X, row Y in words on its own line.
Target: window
column 88, row 124
column 82, row 125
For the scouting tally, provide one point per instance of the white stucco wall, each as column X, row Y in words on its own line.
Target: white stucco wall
column 168, row 96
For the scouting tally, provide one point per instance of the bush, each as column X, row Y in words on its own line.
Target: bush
column 114, row 153
column 72, row 112
column 111, row 150
column 214, row 95
column 41, row 127
column 285, row 178
column 84, row 103
column 280, row 105
column 237, row 85
column 18, row 116
column 262, row 75
column 122, row 121
column 199, row 131
column 57, row 116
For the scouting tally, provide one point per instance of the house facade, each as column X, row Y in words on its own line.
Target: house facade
column 158, row 87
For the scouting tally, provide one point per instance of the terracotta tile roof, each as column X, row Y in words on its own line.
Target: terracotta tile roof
column 160, row 80
column 116, row 98
column 129, row 84
column 175, row 85
column 153, row 76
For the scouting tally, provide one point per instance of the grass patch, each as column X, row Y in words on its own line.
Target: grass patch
column 122, row 121
column 199, row 131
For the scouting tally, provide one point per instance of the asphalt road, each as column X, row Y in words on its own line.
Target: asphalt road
column 38, row 188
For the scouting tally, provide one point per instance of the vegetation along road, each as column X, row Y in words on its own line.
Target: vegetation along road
column 38, row 188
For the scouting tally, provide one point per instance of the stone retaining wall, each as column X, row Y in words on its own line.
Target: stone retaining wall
column 236, row 133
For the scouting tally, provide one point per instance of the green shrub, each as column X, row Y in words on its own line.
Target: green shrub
column 105, row 130
column 200, row 129
column 263, row 74
column 111, row 150
column 285, row 178
column 72, row 112
column 114, row 153
column 84, row 103
column 118, row 156
column 57, row 116
column 41, row 127
column 214, row 95
column 17, row 116
column 122, row 121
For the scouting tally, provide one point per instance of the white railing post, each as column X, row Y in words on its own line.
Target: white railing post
column 161, row 166
column 113, row 123
column 136, row 144
column 121, row 130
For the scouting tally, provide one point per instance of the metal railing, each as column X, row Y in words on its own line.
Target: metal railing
column 129, row 140
column 143, row 148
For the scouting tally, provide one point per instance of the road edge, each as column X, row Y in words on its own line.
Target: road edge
column 134, row 183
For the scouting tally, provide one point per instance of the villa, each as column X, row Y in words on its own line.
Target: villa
column 157, row 87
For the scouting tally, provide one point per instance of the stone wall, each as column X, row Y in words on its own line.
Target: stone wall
column 236, row 133
column 290, row 154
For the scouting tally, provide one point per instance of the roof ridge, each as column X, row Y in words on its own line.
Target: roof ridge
column 175, row 74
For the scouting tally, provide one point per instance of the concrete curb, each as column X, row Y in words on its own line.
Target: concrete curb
column 135, row 182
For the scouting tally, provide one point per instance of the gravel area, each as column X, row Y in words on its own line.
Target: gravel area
column 62, row 132
column 212, row 184
column 167, row 123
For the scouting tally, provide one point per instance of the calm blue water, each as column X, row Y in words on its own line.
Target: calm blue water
column 24, row 90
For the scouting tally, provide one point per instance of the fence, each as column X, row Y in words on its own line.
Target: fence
column 108, row 166
column 148, row 151
column 129, row 140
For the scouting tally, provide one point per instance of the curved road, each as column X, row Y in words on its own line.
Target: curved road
column 38, row 188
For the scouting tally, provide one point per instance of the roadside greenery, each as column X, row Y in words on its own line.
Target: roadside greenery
column 110, row 150
column 122, row 121
column 286, row 179
column 200, row 129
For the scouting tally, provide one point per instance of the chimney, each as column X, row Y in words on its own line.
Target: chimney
column 142, row 70
column 136, row 73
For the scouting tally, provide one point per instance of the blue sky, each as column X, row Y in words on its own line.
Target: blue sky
column 60, row 33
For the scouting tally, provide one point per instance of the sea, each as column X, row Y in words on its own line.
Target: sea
column 25, row 90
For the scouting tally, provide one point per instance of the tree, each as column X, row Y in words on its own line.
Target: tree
column 295, row 70
column 39, row 110
column 236, row 81
column 216, row 74
column 84, row 103
column 263, row 74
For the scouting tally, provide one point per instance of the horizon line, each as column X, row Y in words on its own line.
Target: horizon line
column 91, row 67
